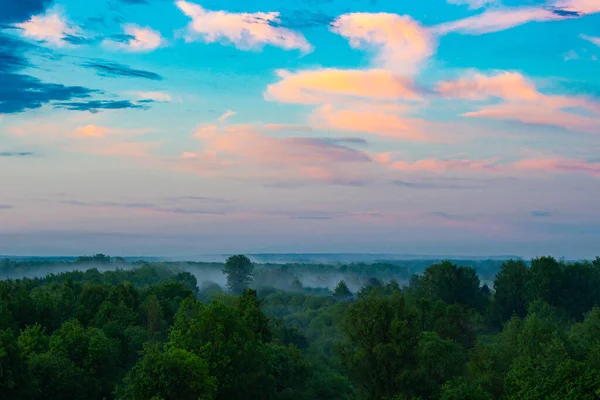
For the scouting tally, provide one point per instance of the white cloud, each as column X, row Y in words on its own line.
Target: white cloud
column 142, row 39
column 159, row 97
column 475, row 4
column 591, row 39
column 51, row 28
column 228, row 114
column 247, row 31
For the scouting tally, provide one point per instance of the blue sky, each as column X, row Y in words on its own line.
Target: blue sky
column 176, row 128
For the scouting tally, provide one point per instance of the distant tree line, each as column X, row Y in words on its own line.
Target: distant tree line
column 154, row 331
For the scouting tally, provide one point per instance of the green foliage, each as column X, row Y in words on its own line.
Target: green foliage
column 146, row 331
column 170, row 374
column 239, row 271
column 342, row 291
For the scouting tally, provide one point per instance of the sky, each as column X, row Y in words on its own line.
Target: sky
column 179, row 128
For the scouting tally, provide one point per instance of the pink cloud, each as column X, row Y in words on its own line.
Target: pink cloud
column 228, row 114
column 378, row 123
column 246, row 151
column 537, row 115
column 323, row 85
column 247, row 31
column 558, row 165
column 505, row 85
column 400, row 43
column 50, row 28
column 443, row 166
column 497, row 20
column 579, row 6
column 591, row 39
column 143, row 39
column 96, row 131
column 523, row 101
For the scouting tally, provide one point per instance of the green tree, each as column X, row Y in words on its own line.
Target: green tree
column 33, row 340
column 342, row 291
column 380, row 351
column 172, row 374
column 509, row 287
column 239, row 271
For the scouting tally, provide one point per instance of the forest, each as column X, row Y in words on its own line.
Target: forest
column 108, row 328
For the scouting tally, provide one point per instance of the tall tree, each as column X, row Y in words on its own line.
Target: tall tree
column 510, row 289
column 239, row 271
column 342, row 290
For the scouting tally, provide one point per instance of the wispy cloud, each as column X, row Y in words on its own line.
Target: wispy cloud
column 523, row 101
column 6, row 207
column 22, row 92
column 158, row 97
column 228, row 114
column 95, row 106
column 592, row 39
column 16, row 154
column 246, row 31
column 248, row 151
column 451, row 217
column 142, row 207
column 137, row 40
column 540, row 214
column 115, row 70
column 475, row 4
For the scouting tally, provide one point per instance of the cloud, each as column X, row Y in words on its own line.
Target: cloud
column 540, row 214
column 51, row 28
column 94, row 106
column 324, row 85
column 115, row 70
column 475, row 4
column 505, row 85
column 560, row 165
column 137, row 40
column 6, row 207
column 537, row 115
column 502, row 18
column 400, row 43
column 198, row 199
column 20, row 92
column 498, row 20
column 95, row 131
column 591, row 39
column 451, row 217
column 142, row 207
column 111, row 149
column 158, row 97
column 247, row 151
column 134, row 1
column 523, row 102
column 581, row 7
column 228, row 114
column 378, row 123
column 16, row 154
column 246, row 31
column 439, row 166
column 19, row 11
column 433, row 185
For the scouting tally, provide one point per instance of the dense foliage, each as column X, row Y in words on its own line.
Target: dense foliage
column 109, row 329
